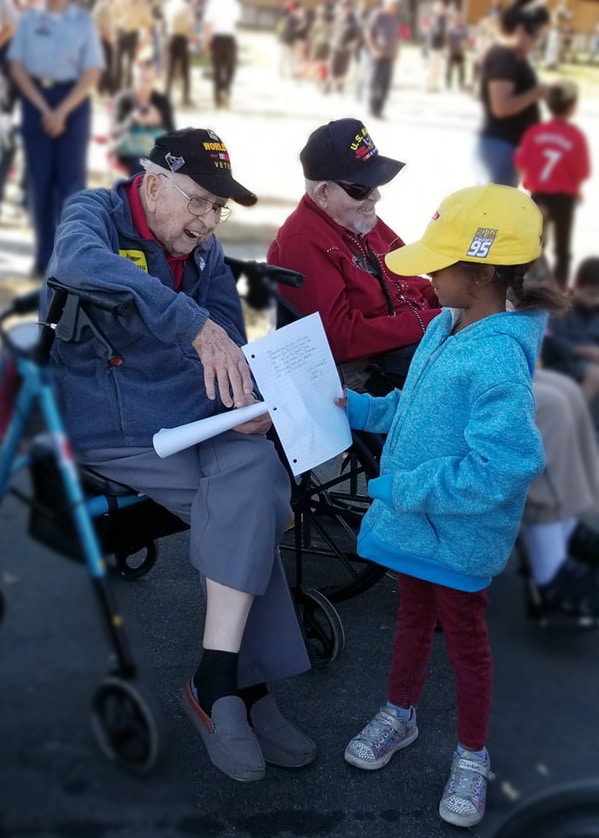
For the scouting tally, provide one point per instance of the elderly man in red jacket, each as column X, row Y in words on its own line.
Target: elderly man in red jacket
column 373, row 318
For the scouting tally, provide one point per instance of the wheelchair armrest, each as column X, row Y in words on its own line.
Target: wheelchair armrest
column 114, row 302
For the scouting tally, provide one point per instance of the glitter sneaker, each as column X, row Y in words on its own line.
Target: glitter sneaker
column 464, row 796
column 387, row 733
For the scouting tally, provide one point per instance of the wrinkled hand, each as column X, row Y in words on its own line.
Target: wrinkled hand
column 224, row 365
column 259, row 425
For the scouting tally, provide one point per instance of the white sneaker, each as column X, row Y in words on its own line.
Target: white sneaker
column 465, row 794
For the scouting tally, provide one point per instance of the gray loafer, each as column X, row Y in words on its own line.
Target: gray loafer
column 282, row 742
column 229, row 740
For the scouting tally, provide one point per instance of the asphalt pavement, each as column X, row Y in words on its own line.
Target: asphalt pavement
column 54, row 650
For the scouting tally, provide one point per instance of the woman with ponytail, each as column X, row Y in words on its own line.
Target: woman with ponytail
column 510, row 91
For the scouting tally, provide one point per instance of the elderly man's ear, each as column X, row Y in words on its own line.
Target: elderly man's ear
column 320, row 195
column 151, row 186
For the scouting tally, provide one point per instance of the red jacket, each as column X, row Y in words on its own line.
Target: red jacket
column 361, row 314
column 554, row 158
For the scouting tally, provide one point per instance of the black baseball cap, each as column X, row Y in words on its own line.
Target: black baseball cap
column 200, row 154
column 344, row 150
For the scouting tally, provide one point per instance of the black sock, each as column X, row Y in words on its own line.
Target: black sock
column 251, row 695
column 216, row 677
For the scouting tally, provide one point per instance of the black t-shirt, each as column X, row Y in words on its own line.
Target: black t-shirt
column 502, row 64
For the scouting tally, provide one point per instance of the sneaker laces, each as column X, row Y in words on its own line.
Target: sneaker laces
column 467, row 775
column 378, row 727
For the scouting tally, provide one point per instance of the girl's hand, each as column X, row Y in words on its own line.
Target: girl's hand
column 341, row 401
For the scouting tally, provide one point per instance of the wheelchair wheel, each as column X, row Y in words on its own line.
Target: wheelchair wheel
column 137, row 564
column 567, row 811
column 329, row 508
column 125, row 726
column 322, row 625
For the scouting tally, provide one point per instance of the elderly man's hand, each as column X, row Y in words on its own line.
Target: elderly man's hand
column 260, row 425
column 224, row 364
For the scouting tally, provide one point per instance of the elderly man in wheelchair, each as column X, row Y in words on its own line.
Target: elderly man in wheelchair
column 176, row 358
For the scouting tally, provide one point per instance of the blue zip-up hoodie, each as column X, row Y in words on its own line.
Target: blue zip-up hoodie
column 160, row 383
column 462, row 448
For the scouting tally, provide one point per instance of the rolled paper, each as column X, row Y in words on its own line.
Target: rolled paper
column 168, row 441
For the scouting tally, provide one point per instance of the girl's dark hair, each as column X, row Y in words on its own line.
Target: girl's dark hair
column 587, row 273
column 531, row 15
column 523, row 287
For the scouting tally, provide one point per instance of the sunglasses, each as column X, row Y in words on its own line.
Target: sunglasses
column 355, row 191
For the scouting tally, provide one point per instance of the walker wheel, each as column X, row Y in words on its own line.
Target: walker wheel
column 323, row 628
column 125, row 726
column 137, row 564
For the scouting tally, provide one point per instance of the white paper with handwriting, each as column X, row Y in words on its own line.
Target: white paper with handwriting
column 297, row 377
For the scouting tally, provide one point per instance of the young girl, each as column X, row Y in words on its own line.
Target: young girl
column 461, row 449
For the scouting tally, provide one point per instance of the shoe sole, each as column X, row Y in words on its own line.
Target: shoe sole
column 372, row 765
column 196, row 714
column 459, row 820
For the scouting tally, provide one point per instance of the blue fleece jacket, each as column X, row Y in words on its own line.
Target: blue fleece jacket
column 160, row 383
column 462, row 448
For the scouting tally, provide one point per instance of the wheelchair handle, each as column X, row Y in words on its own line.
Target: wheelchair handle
column 264, row 271
column 115, row 303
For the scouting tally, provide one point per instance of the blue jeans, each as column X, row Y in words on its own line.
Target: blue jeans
column 497, row 161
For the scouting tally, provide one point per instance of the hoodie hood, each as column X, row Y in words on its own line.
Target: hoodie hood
column 525, row 326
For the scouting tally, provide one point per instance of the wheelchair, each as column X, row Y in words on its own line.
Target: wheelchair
column 86, row 517
column 570, row 810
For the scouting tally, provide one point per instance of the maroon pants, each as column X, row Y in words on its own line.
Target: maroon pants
column 462, row 617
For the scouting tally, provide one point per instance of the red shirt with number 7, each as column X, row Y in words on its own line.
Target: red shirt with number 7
column 554, row 158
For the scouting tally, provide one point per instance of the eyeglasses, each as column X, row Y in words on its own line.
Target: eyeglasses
column 201, row 206
column 355, row 191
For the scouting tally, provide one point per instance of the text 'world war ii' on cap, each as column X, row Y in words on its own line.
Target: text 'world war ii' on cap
column 344, row 150
column 200, row 154
column 491, row 224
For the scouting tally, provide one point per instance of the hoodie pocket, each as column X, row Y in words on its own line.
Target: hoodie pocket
column 408, row 531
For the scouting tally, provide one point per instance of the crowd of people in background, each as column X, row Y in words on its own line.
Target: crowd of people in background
column 138, row 62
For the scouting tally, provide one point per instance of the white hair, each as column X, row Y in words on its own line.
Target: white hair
column 311, row 185
column 150, row 167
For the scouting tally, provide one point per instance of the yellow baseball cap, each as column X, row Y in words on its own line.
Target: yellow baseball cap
column 490, row 224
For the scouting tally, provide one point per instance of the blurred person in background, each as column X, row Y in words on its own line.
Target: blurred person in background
column 571, row 343
column 554, row 159
column 382, row 38
column 179, row 29
column 457, row 46
column 135, row 26
column 8, row 93
column 319, row 46
column 345, row 37
column 104, row 16
column 140, row 115
column 220, row 42
column 437, row 43
column 56, row 60
column 510, row 91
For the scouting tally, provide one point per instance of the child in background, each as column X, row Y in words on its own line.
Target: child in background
column 571, row 343
column 554, row 159
column 461, row 450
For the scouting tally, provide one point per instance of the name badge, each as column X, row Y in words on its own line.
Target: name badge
column 136, row 256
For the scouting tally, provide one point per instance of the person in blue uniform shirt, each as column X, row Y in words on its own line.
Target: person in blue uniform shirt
column 55, row 60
